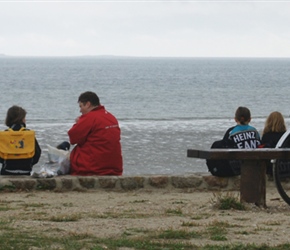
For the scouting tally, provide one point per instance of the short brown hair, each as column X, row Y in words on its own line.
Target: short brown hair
column 243, row 115
column 91, row 97
column 15, row 115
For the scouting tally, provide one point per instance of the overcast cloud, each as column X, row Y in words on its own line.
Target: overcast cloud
column 142, row 28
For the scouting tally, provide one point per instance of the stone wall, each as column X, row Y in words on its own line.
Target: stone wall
column 198, row 181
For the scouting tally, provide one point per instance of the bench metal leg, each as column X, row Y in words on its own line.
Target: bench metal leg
column 253, row 182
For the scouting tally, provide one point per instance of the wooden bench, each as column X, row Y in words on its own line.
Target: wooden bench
column 253, row 169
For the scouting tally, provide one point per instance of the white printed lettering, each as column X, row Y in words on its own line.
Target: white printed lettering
column 253, row 144
column 241, row 136
column 236, row 139
column 112, row 126
column 248, row 135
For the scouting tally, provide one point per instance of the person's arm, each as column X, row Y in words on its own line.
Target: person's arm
column 227, row 134
column 226, row 139
column 80, row 130
column 37, row 153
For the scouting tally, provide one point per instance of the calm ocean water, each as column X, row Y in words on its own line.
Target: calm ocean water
column 164, row 105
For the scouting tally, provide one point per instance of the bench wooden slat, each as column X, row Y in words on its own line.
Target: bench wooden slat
column 240, row 154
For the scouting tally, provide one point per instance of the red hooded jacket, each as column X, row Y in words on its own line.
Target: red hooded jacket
column 98, row 150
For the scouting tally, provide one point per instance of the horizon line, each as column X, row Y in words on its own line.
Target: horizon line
column 125, row 56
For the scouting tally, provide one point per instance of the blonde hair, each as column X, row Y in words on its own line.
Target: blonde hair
column 274, row 123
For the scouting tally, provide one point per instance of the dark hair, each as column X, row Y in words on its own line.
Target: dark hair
column 89, row 97
column 15, row 115
column 243, row 115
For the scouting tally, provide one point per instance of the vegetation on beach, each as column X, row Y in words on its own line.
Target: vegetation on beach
column 12, row 237
column 33, row 225
column 17, row 238
column 225, row 201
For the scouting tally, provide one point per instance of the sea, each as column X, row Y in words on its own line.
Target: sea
column 164, row 105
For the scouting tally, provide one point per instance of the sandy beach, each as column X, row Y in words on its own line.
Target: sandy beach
column 114, row 214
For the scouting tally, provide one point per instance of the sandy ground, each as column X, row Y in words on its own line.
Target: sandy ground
column 113, row 214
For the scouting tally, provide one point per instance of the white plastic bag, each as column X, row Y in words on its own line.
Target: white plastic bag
column 44, row 172
column 60, row 159
column 58, row 164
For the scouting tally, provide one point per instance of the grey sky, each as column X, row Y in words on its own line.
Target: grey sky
column 142, row 28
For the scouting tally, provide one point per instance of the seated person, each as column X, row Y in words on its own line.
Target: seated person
column 15, row 120
column 274, row 129
column 97, row 136
column 240, row 136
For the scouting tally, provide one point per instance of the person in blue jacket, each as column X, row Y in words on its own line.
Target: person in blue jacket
column 242, row 135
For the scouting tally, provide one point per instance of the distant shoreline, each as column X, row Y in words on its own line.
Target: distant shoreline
column 140, row 57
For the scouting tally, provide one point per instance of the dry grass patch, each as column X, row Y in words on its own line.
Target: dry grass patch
column 226, row 201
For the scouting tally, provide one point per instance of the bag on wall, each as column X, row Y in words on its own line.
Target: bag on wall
column 223, row 168
column 17, row 144
column 60, row 159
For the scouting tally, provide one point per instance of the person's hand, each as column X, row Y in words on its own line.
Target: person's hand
column 77, row 119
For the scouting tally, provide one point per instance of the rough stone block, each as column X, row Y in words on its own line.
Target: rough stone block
column 186, row 181
column 214, row 181
column 46, row 184
column 159, row 181
column 6, row 185
column 87, row 182
column 131, row 183
column 67, row 184
column 107, row 182
column 236, row 183
column 24, row 184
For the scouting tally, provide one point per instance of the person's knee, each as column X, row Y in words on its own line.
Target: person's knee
column 64, row 146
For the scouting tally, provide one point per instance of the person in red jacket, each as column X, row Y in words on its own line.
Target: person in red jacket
column 97, row 136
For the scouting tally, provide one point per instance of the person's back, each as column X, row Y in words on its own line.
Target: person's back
column 97, row 136
column 15, row 120
column 240, row 136
column 244, row 136
column 273, row 130
column 270, row 139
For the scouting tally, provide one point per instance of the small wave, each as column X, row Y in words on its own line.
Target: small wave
column 142, row 119
column 182, row 118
